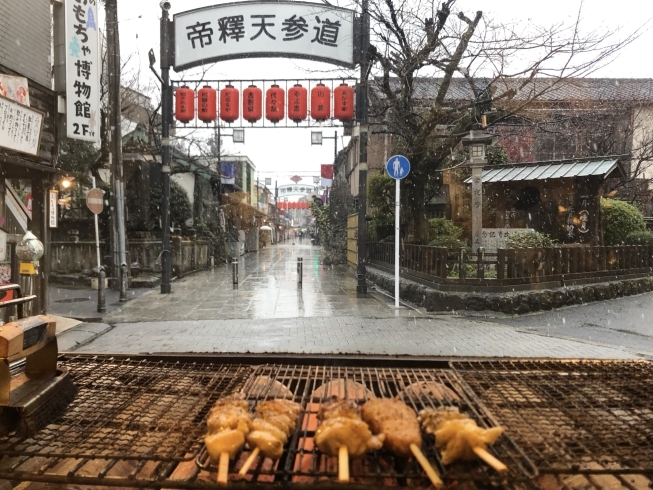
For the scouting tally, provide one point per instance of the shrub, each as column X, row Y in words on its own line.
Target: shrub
column 639, row 238
column 618, row 220
column 443, row 227
column 446, row 241
column 529, row 239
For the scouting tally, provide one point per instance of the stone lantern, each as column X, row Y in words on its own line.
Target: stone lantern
column 476, row 144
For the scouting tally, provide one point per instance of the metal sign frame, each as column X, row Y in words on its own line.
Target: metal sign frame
column 356, row 28
column 264, row 84
column 360, row 48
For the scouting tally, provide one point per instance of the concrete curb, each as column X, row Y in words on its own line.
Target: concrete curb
column 81, row 335
column 509, row 303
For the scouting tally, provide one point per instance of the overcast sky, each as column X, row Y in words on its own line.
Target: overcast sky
column 286, row 152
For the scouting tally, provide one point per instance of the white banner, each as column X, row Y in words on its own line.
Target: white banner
column 20, row 127
column 264, row 29
column 290, row 190
column 82, row 70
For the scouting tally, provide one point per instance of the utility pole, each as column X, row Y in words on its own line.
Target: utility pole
column 361, row 271
column 118, row 252
column 166, row 121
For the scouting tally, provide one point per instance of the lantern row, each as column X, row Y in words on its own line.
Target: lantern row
column 275, row 103
column 292, row 205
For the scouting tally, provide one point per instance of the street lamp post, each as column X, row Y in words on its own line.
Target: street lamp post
column 476, row 143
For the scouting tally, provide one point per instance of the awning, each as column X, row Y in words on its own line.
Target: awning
column 550, row 170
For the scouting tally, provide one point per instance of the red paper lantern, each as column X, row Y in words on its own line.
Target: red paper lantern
column 297, row 104
column 184, row 104
column 321, row 102
column 252, row 103
column 206, row 107
column 274, row 109
column 229, row 104
column 343, row 102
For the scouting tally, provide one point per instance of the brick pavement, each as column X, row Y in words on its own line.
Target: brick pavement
column 268, row 314
column 267, row 289
column 436, row 336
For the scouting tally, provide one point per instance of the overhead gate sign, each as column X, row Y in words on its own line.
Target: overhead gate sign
column 264, row 29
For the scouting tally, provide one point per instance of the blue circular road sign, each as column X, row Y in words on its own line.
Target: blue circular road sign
column 398, row 167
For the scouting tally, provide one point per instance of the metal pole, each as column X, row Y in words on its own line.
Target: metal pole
column 234, row 264
column 361, row 271
column 101, row 295
column 397, row 238
column 115, row 124
column 166, row 121
column 300, row 272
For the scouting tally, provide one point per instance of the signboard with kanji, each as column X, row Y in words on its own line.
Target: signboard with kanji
column 20, row 127
column 496, row 238
column 82, row 70
column 264, row 29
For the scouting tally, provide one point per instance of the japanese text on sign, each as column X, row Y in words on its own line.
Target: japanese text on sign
column 292, row 29
column 82, row 71
column 20, row 127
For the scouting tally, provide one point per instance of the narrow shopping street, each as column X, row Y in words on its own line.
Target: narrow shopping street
column 268, row 313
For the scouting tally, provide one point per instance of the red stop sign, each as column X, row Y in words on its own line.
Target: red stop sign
column 95, row 201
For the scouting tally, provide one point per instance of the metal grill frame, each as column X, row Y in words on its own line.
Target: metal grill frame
column 576, row 395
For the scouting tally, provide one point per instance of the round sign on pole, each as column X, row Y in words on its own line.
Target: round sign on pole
column 95, row 201
column 398, row 167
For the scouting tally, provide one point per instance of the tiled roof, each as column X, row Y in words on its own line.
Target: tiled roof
column 549, row 170
column 581, row 89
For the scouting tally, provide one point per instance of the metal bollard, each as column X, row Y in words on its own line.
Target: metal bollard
column 300, row 272
column 101, row 296
column 212, row 263
column 234, row 264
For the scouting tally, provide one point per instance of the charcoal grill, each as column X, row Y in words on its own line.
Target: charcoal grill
column 139, row 422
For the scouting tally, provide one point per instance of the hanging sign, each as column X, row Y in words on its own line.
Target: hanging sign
column 3, row 245
column 53, row 211
column 20, row 127
column 294, row 190
column 264, row 29
column 82, row 71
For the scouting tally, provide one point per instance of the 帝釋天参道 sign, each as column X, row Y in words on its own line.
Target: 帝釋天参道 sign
column 264, row 29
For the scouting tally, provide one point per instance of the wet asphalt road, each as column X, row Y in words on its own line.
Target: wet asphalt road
column 624, row 322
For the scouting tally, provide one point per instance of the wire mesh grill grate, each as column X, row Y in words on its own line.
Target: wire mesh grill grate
column 580, row 417
column 131, row 410
column 302, row 463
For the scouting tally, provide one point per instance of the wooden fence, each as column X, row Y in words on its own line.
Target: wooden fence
column 515, row 266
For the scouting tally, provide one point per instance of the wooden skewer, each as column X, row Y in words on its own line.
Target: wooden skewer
column 249, row 461
column 223, row 469
column 489, row 459
column 343, row 465
column 426, row 466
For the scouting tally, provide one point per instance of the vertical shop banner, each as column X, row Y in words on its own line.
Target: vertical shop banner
column 53, row 211
column 327, row 175
column 82, row 71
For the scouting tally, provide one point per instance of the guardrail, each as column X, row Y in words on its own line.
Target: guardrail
column 514, row 266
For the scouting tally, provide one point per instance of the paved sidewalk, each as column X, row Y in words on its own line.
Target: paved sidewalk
column 267, row 289
column 269, row 314
column 81, row 303
column 437, row 336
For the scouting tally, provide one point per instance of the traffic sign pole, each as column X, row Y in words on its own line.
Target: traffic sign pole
column 397, row 210
column 398, row 167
